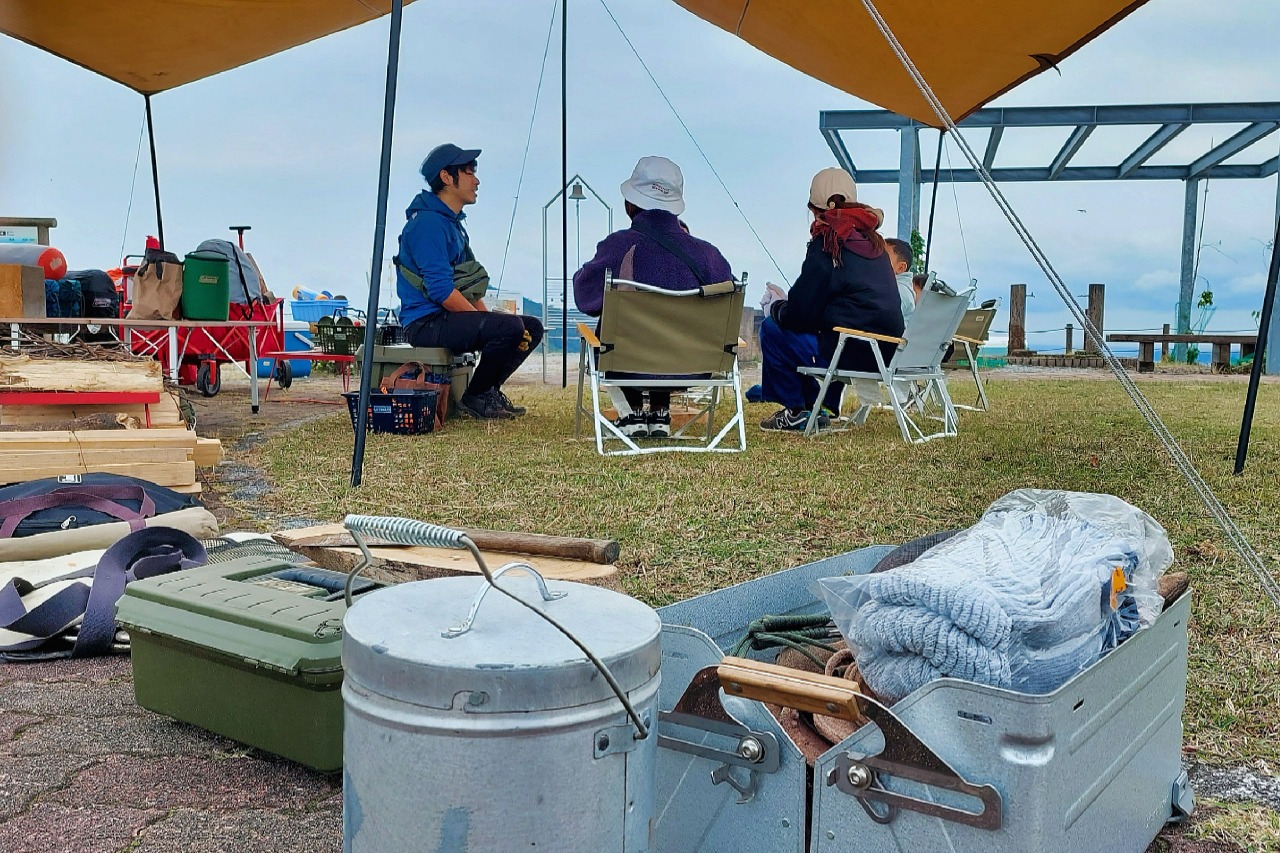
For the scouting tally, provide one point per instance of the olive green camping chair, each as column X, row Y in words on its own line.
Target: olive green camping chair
column 974, row 330
column 916, row 364
column 687, row 338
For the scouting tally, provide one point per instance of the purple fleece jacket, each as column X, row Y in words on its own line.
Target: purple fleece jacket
column 637, row 257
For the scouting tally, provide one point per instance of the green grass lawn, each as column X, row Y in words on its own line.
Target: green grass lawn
column 691, row 523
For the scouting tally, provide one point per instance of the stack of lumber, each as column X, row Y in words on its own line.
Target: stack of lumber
column 39, row 441
column 166, row 457
column 555, row 557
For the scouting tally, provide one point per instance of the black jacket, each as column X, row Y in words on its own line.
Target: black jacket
column 861, row 294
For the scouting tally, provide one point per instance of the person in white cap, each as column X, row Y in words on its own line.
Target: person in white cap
column 655, row 250
column 847, row 280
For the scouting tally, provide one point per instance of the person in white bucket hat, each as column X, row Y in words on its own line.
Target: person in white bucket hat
column 656, row 183
column 655, row 250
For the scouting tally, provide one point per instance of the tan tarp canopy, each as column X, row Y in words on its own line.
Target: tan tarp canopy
column 970, row 52
column 154, row 45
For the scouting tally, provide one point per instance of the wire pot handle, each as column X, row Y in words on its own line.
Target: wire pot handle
column 406, row 531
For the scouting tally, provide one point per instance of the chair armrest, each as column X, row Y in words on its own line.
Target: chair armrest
column 869, row 335
column 588, row 335
column 962, row 339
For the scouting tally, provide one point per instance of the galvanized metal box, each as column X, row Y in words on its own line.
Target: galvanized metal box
column 1095, row 765
column 249, row 649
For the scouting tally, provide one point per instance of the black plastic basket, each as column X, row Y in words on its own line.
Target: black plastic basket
column 339, row 338
column 400, row 413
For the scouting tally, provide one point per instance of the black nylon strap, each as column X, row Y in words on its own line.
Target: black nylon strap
column 672, row 247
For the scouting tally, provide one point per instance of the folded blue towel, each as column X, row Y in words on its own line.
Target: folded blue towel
column 1021, row 600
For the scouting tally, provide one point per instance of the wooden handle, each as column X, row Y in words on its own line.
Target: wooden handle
column 539, row 545
column 589, row 335
column 791, row 688
column 841, row 330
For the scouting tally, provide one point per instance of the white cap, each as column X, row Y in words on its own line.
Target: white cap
column 833, row 181
column 656, row 184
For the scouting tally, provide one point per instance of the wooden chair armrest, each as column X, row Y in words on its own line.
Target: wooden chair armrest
column 964, row 340
column 588, row 335
column 871, row 335
column 790, row 688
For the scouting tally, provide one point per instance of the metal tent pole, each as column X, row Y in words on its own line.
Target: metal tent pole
column 933, row 200
column 379, row 236
column 1259, row 353
column 564, row 182
column 155, row 169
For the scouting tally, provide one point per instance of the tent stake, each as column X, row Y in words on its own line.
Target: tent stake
column 379, row 237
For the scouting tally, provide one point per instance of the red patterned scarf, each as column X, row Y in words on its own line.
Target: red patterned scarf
column 853, row 228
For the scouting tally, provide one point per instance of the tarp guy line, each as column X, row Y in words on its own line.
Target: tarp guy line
column 1180, row 459
column 524, row 160
column 693, row 140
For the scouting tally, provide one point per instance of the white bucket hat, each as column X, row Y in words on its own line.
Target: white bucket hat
column 655, row 184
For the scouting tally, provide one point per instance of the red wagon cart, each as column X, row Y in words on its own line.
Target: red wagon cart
column 194, row 350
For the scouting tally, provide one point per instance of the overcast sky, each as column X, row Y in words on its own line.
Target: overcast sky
column 290, row 146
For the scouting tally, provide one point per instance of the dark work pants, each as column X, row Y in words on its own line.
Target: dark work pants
column 495, row 336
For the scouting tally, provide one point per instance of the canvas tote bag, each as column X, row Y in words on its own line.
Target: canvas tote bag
column 157, row 287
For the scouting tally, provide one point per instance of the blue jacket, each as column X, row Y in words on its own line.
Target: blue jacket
column 433, row 240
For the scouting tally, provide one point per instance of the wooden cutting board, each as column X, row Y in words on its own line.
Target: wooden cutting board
column 401, row 563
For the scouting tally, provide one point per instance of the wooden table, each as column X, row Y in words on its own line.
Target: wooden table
column 1218, row 362
column 126, row 326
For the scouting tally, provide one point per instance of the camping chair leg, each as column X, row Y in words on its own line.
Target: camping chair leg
column 983, row 404
column 737, row 408
column 711, row 412
column 811, row 425
column 582, row 369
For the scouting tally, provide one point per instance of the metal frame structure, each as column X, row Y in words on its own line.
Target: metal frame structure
column 1260, row 120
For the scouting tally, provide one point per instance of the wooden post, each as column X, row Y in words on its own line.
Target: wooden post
column 1070, row 347
column 1017, row 319
column 1164, row 345
column 1096, row 295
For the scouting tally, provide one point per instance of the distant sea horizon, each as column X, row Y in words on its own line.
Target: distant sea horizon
column 988, row 351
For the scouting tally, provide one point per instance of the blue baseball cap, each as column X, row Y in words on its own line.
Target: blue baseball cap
column 446, row 155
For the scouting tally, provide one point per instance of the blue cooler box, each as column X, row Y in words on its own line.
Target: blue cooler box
column 297, row 338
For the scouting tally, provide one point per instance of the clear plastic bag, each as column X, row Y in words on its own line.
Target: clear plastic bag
column 1041, row 587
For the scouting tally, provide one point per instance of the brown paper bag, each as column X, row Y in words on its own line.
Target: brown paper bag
column 157, row 290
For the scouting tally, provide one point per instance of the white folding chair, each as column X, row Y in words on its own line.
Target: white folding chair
column 688, row 338
column 917, row 363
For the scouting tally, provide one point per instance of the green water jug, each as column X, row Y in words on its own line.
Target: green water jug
column 206, row 286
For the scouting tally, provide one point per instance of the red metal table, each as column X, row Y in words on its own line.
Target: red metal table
column 344, row 363
column 80, row 398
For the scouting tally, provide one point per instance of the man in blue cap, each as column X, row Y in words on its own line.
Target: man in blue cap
column 441, row 286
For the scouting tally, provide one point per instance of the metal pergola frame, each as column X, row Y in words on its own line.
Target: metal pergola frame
column 1260, row 120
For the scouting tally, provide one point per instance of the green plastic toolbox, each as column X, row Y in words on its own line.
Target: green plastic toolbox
column 250, row 649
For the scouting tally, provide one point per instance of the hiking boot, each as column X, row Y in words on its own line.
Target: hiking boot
column 486, row 406
column 633, row 425
column 659, row 423
column 508, row 405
